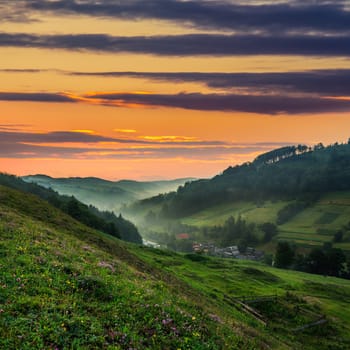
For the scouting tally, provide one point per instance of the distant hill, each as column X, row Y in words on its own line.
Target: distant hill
column 104, row 194
column 104, row 221
column 67, row 286
column 295, row 172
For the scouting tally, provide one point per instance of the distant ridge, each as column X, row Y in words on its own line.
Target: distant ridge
column 106, row 194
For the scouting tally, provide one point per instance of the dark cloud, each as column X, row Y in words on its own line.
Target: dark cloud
column 331, row 16
column 51, row 137
column 35, row 97
column 12, row 70
column 263, row 104
column 327, row 82
column 230, row 102
column 323, row 82
column 22, row 150
column 14, row 11
column 36, row 145
column 188, row 45
column 82, row 137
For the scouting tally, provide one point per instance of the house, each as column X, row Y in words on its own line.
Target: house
column 182, row 236
column 207, row 248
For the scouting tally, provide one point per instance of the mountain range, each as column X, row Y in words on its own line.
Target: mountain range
column 104, row 194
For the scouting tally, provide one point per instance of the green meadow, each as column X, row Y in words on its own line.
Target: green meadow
column 314, row 226
column 66, row 286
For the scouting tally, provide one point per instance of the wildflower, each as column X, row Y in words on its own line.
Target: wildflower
column 175, row 330
column 193, row 318
column 167, row 321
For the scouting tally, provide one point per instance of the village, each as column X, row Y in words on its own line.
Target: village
column 227, row 252
column 233, row 252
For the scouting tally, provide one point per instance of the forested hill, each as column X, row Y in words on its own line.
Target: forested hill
column 103, row 221
column 294, row 172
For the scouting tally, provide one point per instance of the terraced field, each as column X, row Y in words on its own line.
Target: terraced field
column 312, row 227
column 261, row 213
column 317, row 224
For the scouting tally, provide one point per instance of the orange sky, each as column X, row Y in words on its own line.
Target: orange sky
column 140, row 127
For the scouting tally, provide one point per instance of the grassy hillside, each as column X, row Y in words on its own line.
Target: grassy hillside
column 313, row 226
column 104, row 194
column 65, row 286
column 319, row 222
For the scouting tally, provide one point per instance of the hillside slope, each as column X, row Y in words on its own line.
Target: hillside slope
column 65, row 286
column 286, row 173
column 313, row 226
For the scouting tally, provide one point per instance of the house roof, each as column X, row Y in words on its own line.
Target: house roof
column 183, row 236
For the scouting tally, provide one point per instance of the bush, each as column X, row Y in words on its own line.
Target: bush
column 196, row 257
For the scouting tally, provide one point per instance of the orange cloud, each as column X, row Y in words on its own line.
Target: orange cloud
column 126, row 131
column 84, row 131
column 170, row 138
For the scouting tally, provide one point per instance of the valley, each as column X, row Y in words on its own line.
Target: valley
column 67, row 286
column 77, row 276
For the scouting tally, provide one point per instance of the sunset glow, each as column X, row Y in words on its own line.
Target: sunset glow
column 167, row 88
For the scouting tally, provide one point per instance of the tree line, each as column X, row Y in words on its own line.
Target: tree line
column 324, row 260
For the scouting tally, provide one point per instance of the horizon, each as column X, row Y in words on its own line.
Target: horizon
column 112, row 180
column 167, row 89
column 154, row 179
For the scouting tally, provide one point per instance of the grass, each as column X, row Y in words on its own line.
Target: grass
column 225, row 279
column 328, row 215
column 312, row 227
column 64, row 286
column 266, row 212
column 69, row 287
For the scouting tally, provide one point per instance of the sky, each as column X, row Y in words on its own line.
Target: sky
column 163, row 89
